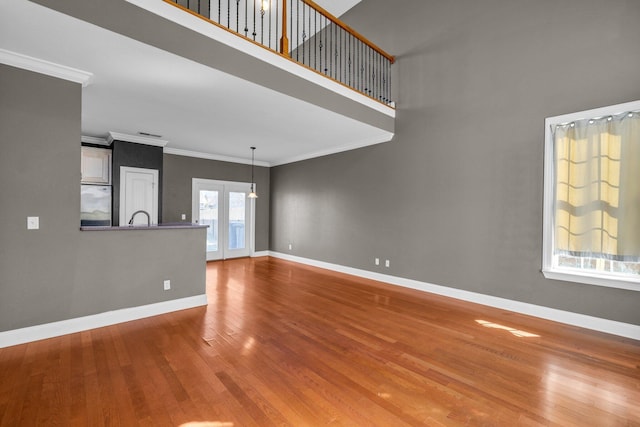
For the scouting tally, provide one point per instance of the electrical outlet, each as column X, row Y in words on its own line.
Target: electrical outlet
column 290, row 246
column 167, row 285
column 184, row 216
column 33, row 222
column 386, row 263
column 377, row 261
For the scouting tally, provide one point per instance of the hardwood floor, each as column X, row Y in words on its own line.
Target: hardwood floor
column 286, row 344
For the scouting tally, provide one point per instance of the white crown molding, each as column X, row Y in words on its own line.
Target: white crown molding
column 94, row 140
column 79, row 324
column 138, row 139
column 575, row 319
column 209, row 156
column 386, row 137
column 41, row 66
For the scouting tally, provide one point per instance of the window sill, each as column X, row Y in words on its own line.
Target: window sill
column 592, row 279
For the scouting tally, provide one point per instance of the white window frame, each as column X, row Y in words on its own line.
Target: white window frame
column 564, row 273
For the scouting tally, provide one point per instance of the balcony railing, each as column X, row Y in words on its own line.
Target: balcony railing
column 306, row 33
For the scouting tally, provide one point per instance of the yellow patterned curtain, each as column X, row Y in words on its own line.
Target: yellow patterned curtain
column 597, row 170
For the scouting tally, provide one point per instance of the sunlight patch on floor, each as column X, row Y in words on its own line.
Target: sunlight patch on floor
column 513, row 331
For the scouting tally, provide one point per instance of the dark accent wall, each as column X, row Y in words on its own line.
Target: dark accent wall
column 137, row 156
column 456, row 198
column 59, row 272
column 179, row 172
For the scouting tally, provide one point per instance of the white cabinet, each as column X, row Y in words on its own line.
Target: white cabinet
column 96, row 165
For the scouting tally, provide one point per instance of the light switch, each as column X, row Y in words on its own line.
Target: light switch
column 33, row 222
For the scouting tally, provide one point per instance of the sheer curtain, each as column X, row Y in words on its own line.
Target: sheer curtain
column 597, row 200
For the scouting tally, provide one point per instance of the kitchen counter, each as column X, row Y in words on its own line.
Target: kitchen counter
column 164, row 226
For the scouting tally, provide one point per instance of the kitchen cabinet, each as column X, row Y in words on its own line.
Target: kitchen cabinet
column 96, row 166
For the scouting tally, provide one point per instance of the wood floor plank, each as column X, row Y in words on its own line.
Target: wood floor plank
column 285, row 344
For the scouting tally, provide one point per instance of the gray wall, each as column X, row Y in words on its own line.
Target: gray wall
column 179, row 172
column 456, row 198
column 59, row 272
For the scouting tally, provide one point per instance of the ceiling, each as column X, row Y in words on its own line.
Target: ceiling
column 139, row 88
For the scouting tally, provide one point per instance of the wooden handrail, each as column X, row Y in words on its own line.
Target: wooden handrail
column 348, row 29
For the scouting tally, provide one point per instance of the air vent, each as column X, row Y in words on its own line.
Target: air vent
column 153, row 135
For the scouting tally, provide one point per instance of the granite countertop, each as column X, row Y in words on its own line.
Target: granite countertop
column 164, row 226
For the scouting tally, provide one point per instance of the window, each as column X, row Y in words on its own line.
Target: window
column 592, row 197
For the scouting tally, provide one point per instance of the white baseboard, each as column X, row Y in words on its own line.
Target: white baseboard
column 64, row 327
column 259, row 254
column 575, row 319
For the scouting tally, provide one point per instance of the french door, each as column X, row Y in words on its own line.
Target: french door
column 225, row 208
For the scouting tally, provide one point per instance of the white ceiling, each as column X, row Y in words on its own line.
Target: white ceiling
column 139, row 88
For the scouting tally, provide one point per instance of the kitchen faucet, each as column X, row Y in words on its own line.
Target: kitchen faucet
column 144, row 212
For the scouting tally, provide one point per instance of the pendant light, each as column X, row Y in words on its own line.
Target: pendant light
column 252, row 194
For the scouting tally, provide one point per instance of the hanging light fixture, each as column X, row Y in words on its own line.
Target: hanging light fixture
column 252, row 194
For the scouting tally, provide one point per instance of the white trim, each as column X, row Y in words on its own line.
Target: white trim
column 138, row 139
column 208, row 156
column 258, row 254
column 388, row 136
column 575, row 319
column 548, row 269
column 333, row 150
column 48, row 68
column 79, row 324
column 588, row 278
column 94, row 140
column 212, row 31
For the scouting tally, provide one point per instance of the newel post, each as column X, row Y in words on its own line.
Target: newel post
column 284, row 41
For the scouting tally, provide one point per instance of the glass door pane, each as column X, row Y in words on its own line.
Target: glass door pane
column 237, row 215
column 209, row 216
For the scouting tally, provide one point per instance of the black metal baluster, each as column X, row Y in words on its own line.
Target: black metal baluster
column 316, row 35
column 238, row 16
column 262, row 22
column 378, row 68
column 246, row 18
column 304, row 34
column 371, row 73
column 219, row 10
column 320, row 42
column 310, row 36
column 228, row 13
column 366, row 71
column 254, row 21
column 375, row 74
column 350, row 65
column 269, row 5
column 326, row 44
column 336, row 68
column 340, row 52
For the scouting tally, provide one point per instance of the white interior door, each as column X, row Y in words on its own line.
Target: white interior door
column 138, row 192
column 225, row 208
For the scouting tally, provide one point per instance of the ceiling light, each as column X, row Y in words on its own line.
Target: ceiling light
column 252, row 194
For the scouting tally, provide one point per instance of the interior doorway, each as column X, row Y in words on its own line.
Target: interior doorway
column 138, row 192
column 229, row 213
